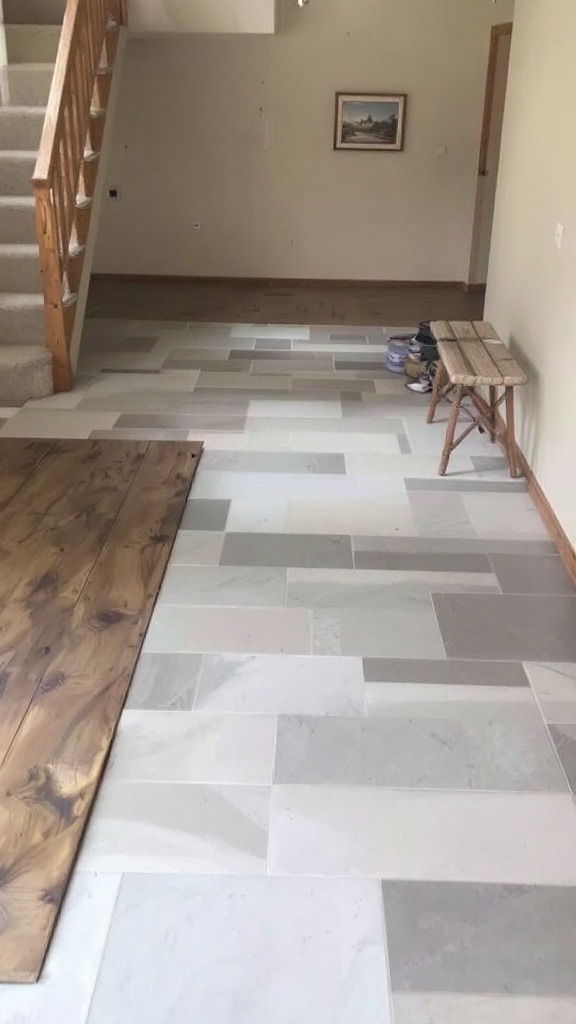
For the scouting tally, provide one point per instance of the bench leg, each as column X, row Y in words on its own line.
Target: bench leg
column 511, row 433
column 451, row 430
column 440, row 380
column 492, row 424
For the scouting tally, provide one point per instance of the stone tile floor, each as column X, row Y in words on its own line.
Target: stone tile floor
column 341, row 787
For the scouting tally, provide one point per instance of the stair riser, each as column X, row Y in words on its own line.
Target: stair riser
column 32, row 43
column 20, row 274
column 17, row 224
column 15, row 175
column 22, row 326
column 25, row 87
column 34, row 12
column 20, row 128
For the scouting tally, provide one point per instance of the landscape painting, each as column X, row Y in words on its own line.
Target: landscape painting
column 369, row 121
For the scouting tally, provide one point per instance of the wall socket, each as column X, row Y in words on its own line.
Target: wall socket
column 114, row 193
column 559, row 236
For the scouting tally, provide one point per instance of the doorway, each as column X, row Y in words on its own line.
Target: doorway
column 490, row 143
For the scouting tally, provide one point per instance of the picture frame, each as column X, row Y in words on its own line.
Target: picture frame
column 370, row 121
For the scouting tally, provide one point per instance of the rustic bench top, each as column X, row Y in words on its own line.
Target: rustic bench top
column 473, row 354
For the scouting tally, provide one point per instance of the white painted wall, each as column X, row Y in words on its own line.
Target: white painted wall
column 237, row 133
column 202, row 16
column 531, row 284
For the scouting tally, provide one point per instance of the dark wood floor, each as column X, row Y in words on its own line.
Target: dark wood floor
column 364, row 305
column 86, row 529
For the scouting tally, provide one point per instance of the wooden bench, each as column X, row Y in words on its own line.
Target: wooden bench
column 471, row 356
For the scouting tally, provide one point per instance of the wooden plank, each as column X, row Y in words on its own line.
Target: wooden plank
column 481, row 363
column 50, row 777
column 18, row 458
column 457, row 368
column 50, row 565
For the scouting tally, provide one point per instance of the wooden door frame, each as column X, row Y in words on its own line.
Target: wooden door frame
column 497, row 31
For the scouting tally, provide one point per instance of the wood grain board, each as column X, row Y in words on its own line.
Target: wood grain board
column 473, row 354
column 86, row 530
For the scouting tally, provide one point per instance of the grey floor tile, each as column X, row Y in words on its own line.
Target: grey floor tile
column 273, row 462
column 440, row 514
column 468, row 746
column 459, row 1008
column 321, row 551
column 358, row 362
column 205, row 514
column 164, row 682
column 416, row 561
column 445, row 673
column 378, row 590
column 511, row 516
column 461, row 484
column 265, row 344
column 197, row 547
column 176, row 421
column 507, row 939
column 555, row 688
column 508, row 627
column 452, row 545
column 527, row 574
column 235, row 586
column 244, row 951
column 206, row 365
column 166, row 826
column 303, row 384
column 409, row 624
column 229, row 630
column 404, row 444
column 564, row 738
column 139, row 434
column 489, row 463
column 281, row 684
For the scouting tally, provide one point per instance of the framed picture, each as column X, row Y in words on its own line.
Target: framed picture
column 369, row 121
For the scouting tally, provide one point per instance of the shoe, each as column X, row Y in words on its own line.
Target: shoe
column 423, row 384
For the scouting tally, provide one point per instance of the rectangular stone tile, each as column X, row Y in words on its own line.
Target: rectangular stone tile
column 456, row 1008
column 497, row 939
column 328, row 425
column 438, row 700
column 235, row 630
column 300, row 487
column 139, row 434
column 265, row 344
column 340, row 338
column 442, row 484
column 564, row 739
column 250, row 381
column 250, row 950
column 526, row 574
column 451, row 545
column 439, row 514
column 462, row 747
column 489, row 463
column 176, row 421
column 522, row 838
column 64, row 990
column 314, row 360
column 406, row 627
column 300, row 384
column 400, row 466
column 213, row 354
column 197, row 547
column 445, row 673
column 186, row 747
column 267, row 331
column 293, row 365
column 377, row 589
column 59, row 423
column 555, row 689
column 164, row 682
column 147, row 826
column 205, row 514
column 273, row 462
column 206, row 365
column 231, row 586
column 287, row 550
column 508, row 627
column 416, row 561
column 347, row 515
column 404, row 444
column 281, row 684
column 504, row 515
column 296, row 409
column 358, row 362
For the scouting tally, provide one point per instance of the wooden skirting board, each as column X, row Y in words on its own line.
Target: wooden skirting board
column 550, row 519
column 290, row 282
column 86, row 530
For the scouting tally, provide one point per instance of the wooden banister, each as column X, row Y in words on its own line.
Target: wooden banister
column 67, row 162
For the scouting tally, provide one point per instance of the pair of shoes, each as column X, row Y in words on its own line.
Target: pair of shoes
column 423, row 384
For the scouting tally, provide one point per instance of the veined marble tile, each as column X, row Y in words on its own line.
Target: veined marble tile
column 404, row 465
column 276, row 462
column 281, row 684
column 259, row 516
column 147, row 826
column 555, row 687
column 407, row 625
column 457, row 1008
column 515, row 838
column 492, row 674
column 164, row 746
column 230, row 586
column 391, row 514
column 449, row 545
column 249, row 381
column 64, row 989
column 265, row 331
column 466, row 746
column 329, row 551
column 296, row 409
column 57, row 423
column 504, row 515
column 244, row 951
column 235, row 630
column 377, row 588
column 327, row 426
column 429, row 700
column 293, row 487
column 164, row 682
column 439, row 514
column 197, row 547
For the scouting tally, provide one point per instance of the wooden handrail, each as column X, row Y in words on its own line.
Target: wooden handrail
column 67, row 160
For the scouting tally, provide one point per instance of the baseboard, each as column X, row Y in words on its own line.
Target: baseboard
column 285, row 282
column 550, row 519
column 474, row 289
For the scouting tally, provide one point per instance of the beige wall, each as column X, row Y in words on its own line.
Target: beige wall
column 202, row 15
column 532, row 285
column 236, row 133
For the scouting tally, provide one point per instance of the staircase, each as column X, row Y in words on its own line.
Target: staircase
column 66, row 46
